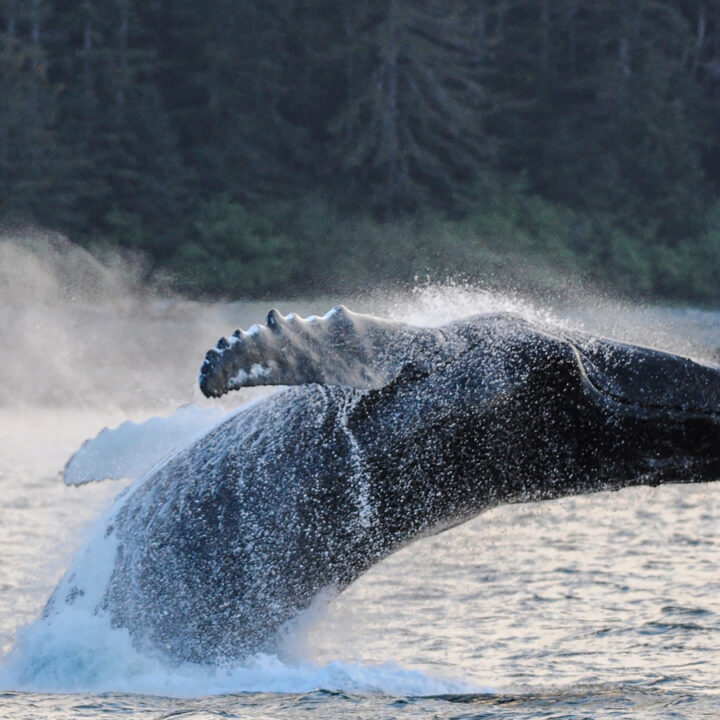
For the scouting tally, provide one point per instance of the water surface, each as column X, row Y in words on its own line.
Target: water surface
column 605, row 606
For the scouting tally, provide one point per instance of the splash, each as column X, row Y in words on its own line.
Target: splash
column 433, row 304
column 132, row 449
column 688, row 331
column 75, row 648
column 86, row 654
column 79, row 334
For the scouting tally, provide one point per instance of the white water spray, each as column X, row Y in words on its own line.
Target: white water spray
column 83, row 349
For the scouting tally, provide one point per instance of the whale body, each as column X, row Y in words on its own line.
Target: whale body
column 387, row 432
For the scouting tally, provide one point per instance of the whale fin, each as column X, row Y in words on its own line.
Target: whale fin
column 132, row 449
column 340, row 348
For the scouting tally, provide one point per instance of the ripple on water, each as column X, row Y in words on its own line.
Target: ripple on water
column 602, row 607
column 581, row 702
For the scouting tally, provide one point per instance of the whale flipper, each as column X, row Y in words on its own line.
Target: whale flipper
column 132, row 449
column 341, row 348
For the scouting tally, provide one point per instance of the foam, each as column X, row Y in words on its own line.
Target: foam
column 81, row 652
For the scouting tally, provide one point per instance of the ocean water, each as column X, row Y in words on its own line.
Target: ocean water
column 605, row 606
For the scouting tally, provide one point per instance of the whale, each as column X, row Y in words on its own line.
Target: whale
column 383, row 433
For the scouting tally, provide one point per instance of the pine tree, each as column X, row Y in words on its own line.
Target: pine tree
column 610, row 121
column 225, row 88
column 411, row 127
column 128, row 171
column 30, row 163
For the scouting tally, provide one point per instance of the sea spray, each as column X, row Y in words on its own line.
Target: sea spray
column 81, row 652
column 116, row 350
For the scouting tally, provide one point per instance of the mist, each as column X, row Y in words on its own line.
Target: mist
column 78, row 332
column 86, row 346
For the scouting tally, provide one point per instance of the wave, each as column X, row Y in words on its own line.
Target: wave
column 83, row 653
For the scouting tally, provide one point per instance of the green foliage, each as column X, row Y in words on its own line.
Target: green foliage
column 231, row 252
column 691, row 268
column 281, row 146
column 512, row 236
column 126, row 229
column 412, row 123
column 124, row 150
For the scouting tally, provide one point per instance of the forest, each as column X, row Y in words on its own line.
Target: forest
column 245, row 148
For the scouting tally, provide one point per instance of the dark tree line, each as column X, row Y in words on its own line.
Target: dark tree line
column 170, row 125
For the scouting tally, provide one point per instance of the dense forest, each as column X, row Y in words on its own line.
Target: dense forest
column 248, row 147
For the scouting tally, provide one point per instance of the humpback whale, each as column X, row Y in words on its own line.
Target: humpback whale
column 385, row 432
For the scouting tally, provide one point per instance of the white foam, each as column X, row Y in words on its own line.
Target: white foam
column 83, row 653
column 432, row 305
column 259, row 371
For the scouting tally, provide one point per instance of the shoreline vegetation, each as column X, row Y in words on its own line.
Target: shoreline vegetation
column 301, row 146
column 511, row 238
column 513, row 241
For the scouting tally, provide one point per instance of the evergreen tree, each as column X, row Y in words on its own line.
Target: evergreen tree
column 128, row 171
column 411, row 126
column 169, row 126
column 30, row 162
column 226, row 94
column 612, row 123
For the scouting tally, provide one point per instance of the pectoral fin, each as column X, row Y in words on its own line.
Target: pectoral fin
column 340, row 348
column 132, row 449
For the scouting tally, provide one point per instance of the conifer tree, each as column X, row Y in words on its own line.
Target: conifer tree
column 30, row 164
column 129, row 175
column 411, row 126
